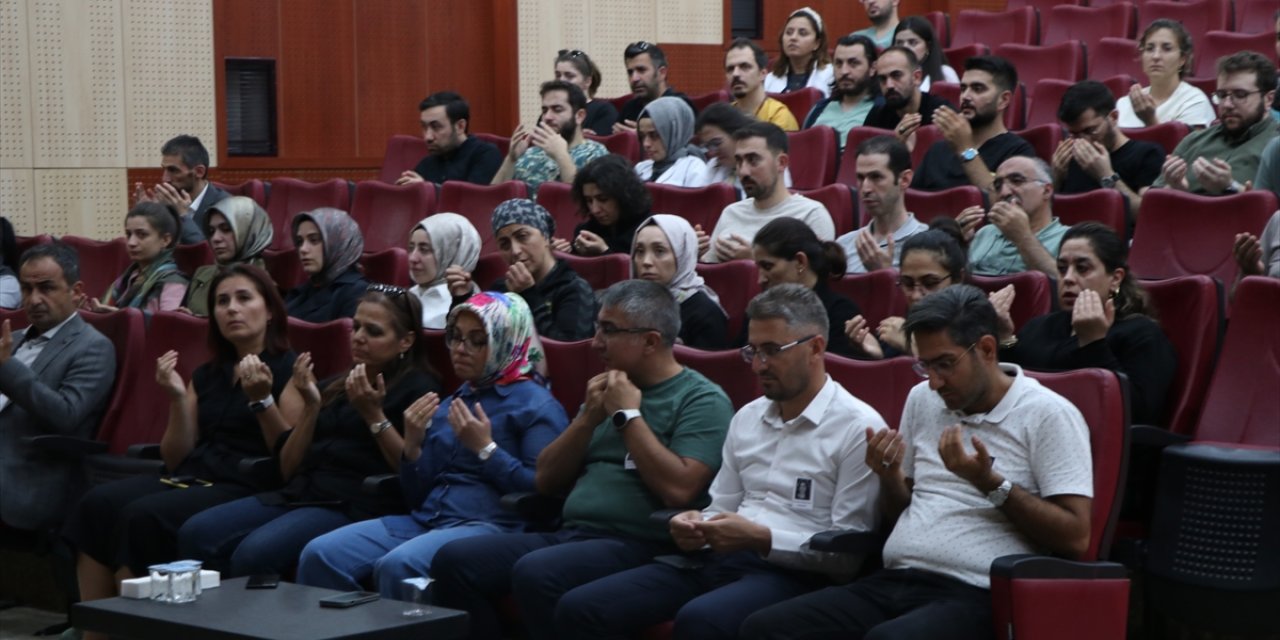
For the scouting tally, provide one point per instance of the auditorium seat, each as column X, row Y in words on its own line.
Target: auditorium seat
column 1044, row 138
column 620, row 101
column 476, row 203
column 957, row 53
column 127, row 331
column 1191, row 314
column 101, row 262
column 1042, row 109
column 700, row 206
column 1255, row 16
column 883, row 384
column 557, row 198
column 600, row 271
column 841, row 202
column 799, row 102
column 941, row 21
column 503, row 143
column 1043, row 6
column 725, row 368
column 1120, row 84
column 290, row 196
column 1198, row 16
column 848, row 169
column 876, row 293
column 1100, row 205
column 1088, row 25
column 1217, row 44
column 1165, row 134
column 925, row 137
column 1181, row 233
column 948, row 91
column 1015, row 117
column 1060, row 60
column 386, row 212
column 329, row 344
column 623, row 143
column 736, row 282
column 1114, row 56
column 403, row 154
column 388, row 266
column 927, row 205
column 973, row 26
column 1033, row 294
column 438, row 356
column 26, row 242
column 813, row 154
column 254, row 189
column 284, row 267
column 705, row 100
column 192, row 256
column 489, row 268
column 570, row 365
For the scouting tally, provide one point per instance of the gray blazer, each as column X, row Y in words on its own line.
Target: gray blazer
column 63, row 392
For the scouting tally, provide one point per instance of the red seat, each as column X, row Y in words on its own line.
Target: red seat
column 100, row 262
column 1100, row 205
column 883, row 384
column 848, row 171
column 1033, row 294
column 705, row 100
column 1199, row 17
column 620, row 101
column 1088, row 25
column 1015, row 117
column 192, row 256
column 403, row 154
column 570, row 365
column 725, row 368
column 927, row 205
column 557, row 198
column 1217, row 44
column 26, row 242
column 1020, row 25
column 438, row 356
column 1114, row 56
column 600, row 271
column 389, row 266
column 284, row 267
column 1043, row 6
column 840, row 203
column 957, row 53
column 1062, row 60
column 876, row 293
column 813, row 154
column 700, row 206
column 1241, row 405
column 503, row 143
column 1045, row 137
column 127, row 332
column 329, row 344
column 1255, row 16
column 255, row 189
column 1045, row 98
column 1207, row 85
column 489, row 268
column 386, row 212
column 1182, row 234
column 941, row 21
column 290, row 196
column 1165, row 134
column 1120, row 84
column 476, row 203
column 800, row 102
column 148, row 405
column 925, row 137
column 736, row 282
column 1190, row 311
column 623, row 143
column 949, row 91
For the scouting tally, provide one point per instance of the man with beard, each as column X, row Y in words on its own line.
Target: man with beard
column 745, row 66
column 647, row 73
column 975, row 140
column 906, row 108
column 883, row 173
column 1098, row 155
column 793, row 467
column 1217, row 160
column 555, row 147
column 1023, row 233
column 987, row 463
column 184, row 185
column 454, row 155
column 883, row 15
column 760, row 154
column 853, row 91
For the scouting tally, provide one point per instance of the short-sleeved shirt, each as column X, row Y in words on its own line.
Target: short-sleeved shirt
column 1137, row 161
column 772, row 110
column 834, row 115
column 536, row 167
column 881, row 42
column 690, row 415
column 1188, row 105
column 886, row 117
column 1242, row 153
column 849, row 242
column 992, row 254
column 943, row 169
column 744, row 219
column 1039, row 442
column 474, row 161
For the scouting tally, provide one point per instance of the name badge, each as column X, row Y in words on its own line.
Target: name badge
column 628, row 462
column 802, row 497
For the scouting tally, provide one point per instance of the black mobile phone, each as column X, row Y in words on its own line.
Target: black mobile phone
column 349, row 599
column 263, row 581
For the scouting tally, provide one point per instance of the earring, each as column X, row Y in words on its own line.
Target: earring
column 402, row 355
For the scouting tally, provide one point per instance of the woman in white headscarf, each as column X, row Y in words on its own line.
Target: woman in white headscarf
column 665, row 128
column 665, row 250
column 438, row 242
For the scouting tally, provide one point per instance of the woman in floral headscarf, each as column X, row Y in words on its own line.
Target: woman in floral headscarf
column 329, row 245
column 238, row 231
column 482, row 442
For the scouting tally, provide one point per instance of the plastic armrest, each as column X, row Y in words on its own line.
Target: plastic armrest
column 1145, row 435
column 66, row 445
column 387, row 484
column 263, row 472
column 662, row 516
column 148, row 451
column 846, row 541
column 534, row 506
column 1028, row 566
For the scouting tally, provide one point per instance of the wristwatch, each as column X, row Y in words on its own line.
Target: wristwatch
column 968, row 155
column 258, row 406
column 1109, row 182
column 1233, row 188
column 624, row 416
column 378, row 427
column 487, row 452
column 998, row 495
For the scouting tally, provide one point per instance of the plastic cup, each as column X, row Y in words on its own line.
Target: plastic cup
column 414, row 592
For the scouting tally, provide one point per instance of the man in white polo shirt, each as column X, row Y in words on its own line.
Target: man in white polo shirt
column 884, row 172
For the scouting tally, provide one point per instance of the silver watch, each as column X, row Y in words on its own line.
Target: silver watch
column 1000, row 494
column 487, row 452
column 378, row 427
column 1109, row 182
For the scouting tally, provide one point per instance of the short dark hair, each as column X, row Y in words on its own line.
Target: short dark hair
column 189, row 148
column 1083, row 96
column 774, row 137
column 162, row 217
column 724, row 116
column 614, row 175
column 647, row 304
column 640, row 48
column 455, row 106
column 912, row 60
column 963, row 311
column 944, row 242
column 277, row 338
column 577, row 98
column 1002, row 71
column 785, row 237
column 899, row 156
column 585, row 66
column 60, row 252
column 1250, row 61
column 868, row 45
column 762, row 58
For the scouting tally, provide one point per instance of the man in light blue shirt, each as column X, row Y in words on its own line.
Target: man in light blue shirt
column 853, row 94
column 1022, row 234
column 884, row 19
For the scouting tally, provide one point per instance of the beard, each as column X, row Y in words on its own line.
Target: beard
column 896, row 100
column 983, row 117
column 569, row 130
column 859, row 88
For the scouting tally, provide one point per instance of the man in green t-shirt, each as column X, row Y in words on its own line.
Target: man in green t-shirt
column 648, row 437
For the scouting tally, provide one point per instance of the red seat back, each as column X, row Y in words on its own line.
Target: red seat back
column 620, row 101
column 600, row 271
column 1217, row 44
column 700, row 206
column 623, row 143
column 949, row 91
column 1114, row 56
column 1165, row 134
column 1120, row 84
column 1242, row 405
column 736, row 282
column 927, row 205
column 26, row 242
column 192, row 256
column 569, row 366
column 941, row 21
column 386, row 212
column 799, row 102
column 503, row 143
column 883, row 384
column 290, row 196
column 1021, row 25
column 1183, row 234
column 1088, row 25
column 840, row 203
column 403, row 154
column 557, row 198
column 285, row 268
column 725, row 368
column 1063, row 60
column 1100, row 205
column 1033, row 293
column 1045, row 98
column 958, row 52
column 389, row 266
column 813, row 154
column 705, row 100
column 127, row 333
column 1190, row 311
column 100, row 262
column 876, row 293
column 476, row 203
column 489, row 268
column 925, row 137
column 148, row 404
column 438, row 356
column 249, row 188
column 328, row 342
column 1044, row 137
column 1199, row 17
column 1255, row 16
column 848, row 171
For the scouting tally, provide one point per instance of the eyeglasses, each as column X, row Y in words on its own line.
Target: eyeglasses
column 572, row 53
column 1236, row 95
column 927, row 283
column 942, row 367
column 1014, row 180
column 471, row 343
column 712, row 144
column 636, row 48
column 608, row 329
column 767, row 351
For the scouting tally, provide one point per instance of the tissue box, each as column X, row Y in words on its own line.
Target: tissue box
column 140, row 588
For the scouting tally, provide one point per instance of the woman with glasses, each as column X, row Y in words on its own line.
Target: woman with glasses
column 916, row 34
column 238, row 231
column 716, row 126
column 461, row 454
column 804, row 61
column 1165, row 51
column 787, row 251
column 931, row 261
column 438, row 243
column 1105, row 321
column 665, row 128
column 152, row 281
column 329, row 246
column 613, row 201
column 351, row 427
column 665, row 251
column 576, row 67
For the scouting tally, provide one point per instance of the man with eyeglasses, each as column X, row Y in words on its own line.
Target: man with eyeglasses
column 852, row 90
column 647, row 75
column 647, row 437
column 793, row 467
column 1023, row 233
column 987, row 463
column 1223, row 159
column 883, row 173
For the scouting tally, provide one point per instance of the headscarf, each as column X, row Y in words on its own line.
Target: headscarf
column 454, row 240
column 523, row 211
column 249, row 224
column 134, row 289
column 673, row 120
column 684, row 245
column 513, row 342
column 343, row 242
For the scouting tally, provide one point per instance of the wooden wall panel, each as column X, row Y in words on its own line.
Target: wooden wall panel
column 390, row 56
column 695, row 69
column 471, row 49
column 316, row 79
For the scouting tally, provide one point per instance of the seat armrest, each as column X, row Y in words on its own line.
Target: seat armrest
column 70, row 446
column 1035, row 596
column 147, row 451
column 662, row 516
column 846, row 541
column 1030, row 566
column 387, row 484
column 1145, row 435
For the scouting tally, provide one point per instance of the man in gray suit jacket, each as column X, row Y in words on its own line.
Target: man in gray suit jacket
column 55, row 378
column 185, row 185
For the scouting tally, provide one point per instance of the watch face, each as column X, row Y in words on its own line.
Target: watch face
column 619, row 419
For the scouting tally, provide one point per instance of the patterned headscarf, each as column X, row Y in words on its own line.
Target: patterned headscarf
column 523, row 211
column 454, row 241
column 249, row 224
column 684, row 244
column 513, row 345
column 343, row 242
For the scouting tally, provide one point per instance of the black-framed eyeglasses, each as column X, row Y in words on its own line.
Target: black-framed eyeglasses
column 608, row 329
column 572, row 53
column 472, row 342
column 1236, row 95
column 636, row 48
column 927, row 283
column 767, row 351
column 1014, row 180
column 942, row 366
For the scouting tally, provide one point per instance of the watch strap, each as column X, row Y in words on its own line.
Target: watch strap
column 487, row 452
column 378, row 427
column 258, row 406
column 1000, row 494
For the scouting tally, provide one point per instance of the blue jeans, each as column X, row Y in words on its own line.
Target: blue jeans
column 388, row 550
column 245, row 536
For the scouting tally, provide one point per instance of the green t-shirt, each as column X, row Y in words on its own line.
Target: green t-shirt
column 690, row 415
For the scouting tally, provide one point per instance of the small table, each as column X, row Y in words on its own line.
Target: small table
column 286, row 612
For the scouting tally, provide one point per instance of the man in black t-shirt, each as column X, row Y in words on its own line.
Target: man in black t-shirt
column 647, row 73
column 1098, row 155
column 453, row 155
column 906, row 108
column 975, row 140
